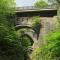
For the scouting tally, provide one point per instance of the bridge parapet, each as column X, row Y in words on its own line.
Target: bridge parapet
column 23, row 20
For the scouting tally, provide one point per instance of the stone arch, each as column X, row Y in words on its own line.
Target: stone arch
column 28, row 35
column 17, row 27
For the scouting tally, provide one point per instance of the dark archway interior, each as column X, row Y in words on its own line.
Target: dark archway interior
column 31, row 40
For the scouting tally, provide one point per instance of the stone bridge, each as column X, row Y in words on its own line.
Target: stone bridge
column 48, row 17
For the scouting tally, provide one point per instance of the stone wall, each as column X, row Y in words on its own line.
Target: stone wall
column 48, row 24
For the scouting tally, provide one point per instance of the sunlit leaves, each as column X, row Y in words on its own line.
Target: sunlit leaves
column 6, row 6
column 41, row 4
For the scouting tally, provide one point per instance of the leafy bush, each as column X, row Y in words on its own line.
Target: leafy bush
column 36, row 20
column 51, row 50
column 41, row 4
column 25, row 39
column 36, row 24
column 10, row 46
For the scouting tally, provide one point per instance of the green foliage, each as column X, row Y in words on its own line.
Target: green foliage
column 36, row 20
column 50, row 51
column 26, row 40
column 54, row 1
column 36, row 24
column 10, row 47
column 54, row 44
column 6, row 6
column 7, row 9
column 41, row 4
column 57, row 4
column 10, row 44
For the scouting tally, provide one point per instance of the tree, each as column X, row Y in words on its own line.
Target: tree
column 50, row 51
column 40, row 3
column 7, row 8
column 57, row 3
column 10, row 45
column 54, row 1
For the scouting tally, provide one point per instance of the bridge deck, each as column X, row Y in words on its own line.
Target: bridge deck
column 37, row 12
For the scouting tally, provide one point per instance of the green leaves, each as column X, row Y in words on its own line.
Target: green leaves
column 10, row 46
column 49, row 51
column 6, row 6
column 41, row 4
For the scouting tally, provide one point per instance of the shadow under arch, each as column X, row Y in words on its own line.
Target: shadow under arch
column 26, row 57
column 18, row 27
column 28, row 36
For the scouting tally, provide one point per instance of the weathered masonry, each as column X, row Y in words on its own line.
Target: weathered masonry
column 27, row 14
column 48, row 19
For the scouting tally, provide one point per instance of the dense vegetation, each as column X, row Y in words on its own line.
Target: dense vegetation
column 40, row 4
column 50, row 50
column 12, row 47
